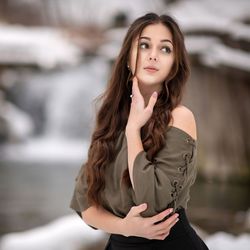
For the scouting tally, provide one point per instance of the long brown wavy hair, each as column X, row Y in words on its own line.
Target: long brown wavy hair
column 113, row 113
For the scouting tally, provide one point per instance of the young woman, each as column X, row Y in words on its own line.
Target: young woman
column 142, row 157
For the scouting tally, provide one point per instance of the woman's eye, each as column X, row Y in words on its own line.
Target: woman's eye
column 143, row 45
column 166, row 49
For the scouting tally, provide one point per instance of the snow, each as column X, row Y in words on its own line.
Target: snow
column 44, row 47
column 213, row 53
column 222, row 18
column 65, row 233
column 71, row 233
column 19, row 124
column 222, row 241
column 45, row 149
column 222, row 55
column 111, row 48
column 101, row 13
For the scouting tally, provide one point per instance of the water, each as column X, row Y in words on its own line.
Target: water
column 34, row 194
column 219, row 207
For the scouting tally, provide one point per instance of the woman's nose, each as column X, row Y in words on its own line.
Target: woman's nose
column 152, row 58
column 153, row 55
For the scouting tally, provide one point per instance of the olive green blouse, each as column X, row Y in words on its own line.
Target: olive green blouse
column 163, row 183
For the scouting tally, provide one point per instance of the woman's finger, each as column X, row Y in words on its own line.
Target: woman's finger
column 135, row 88
column 173, row 222
column 167, row 228
column 136, row 210
column 160, row 236
column 170, row 221
column 156, row 218
column 152, row 101
column 165, row 225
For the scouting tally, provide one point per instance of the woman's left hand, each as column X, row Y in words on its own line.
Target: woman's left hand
column 139, row 114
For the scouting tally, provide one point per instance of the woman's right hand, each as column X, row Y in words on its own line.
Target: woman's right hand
column 136, row 225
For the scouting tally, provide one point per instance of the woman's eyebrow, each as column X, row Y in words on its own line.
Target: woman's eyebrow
column 148, row 38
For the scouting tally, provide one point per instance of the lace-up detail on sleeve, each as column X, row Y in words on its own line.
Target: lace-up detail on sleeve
column 177, row 184
column 165, row 182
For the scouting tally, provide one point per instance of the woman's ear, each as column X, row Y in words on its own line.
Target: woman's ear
column 130, row 70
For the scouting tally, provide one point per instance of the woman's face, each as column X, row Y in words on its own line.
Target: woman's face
column 156, row 56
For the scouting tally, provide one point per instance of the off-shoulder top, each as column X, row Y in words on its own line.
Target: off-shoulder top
column 161, row 184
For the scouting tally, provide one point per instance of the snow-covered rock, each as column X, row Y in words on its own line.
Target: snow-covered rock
column 213, row 53
column 45, row 149
column 222, row 241
column 67, row 233
column 19, row 124
column 43, row 47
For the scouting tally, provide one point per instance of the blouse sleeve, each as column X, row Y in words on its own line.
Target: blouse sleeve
column 79, row 201
column 168, row 178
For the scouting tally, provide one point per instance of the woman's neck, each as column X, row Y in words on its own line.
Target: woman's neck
column 147, row 91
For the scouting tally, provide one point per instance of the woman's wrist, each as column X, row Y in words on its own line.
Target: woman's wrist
column 121, row 227
column 131, row 128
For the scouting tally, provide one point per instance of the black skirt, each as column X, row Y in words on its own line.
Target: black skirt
column 181, row 237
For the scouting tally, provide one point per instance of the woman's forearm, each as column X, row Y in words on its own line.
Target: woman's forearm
column 134, row 145
column 132, row 225
column 101, row 218
column 104, row 220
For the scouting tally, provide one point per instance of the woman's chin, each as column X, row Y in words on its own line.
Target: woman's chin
column 149, row 82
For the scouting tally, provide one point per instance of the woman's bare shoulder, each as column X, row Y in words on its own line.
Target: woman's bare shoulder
column 183, row 118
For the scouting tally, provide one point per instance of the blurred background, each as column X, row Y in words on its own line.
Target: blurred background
column 55, row 58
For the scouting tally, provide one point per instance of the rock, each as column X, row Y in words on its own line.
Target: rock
column 16, row 125
column 66, row 233
column 222, row 240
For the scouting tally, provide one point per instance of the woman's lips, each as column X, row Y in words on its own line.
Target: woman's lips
column 151, row 69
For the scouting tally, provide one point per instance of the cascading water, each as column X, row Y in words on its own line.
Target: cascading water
column 61, row 104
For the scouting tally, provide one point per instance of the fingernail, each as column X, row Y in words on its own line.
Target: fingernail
column 155, row 94
column 171, row 210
